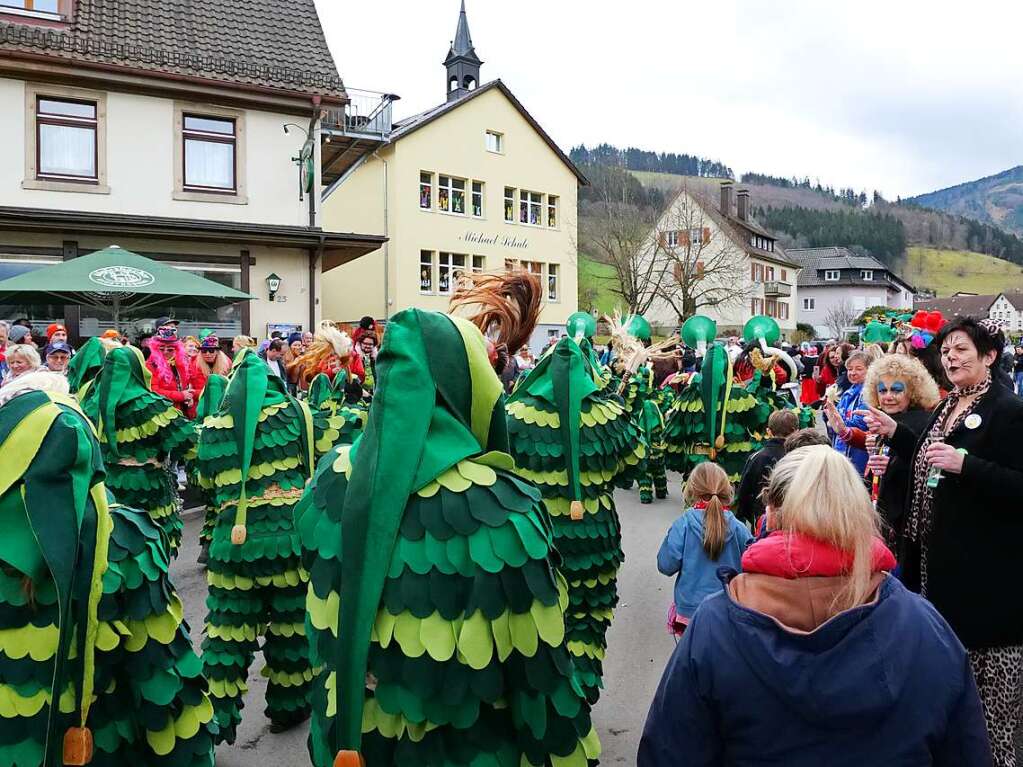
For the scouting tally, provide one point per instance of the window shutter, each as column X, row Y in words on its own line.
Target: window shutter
column 678, row 272
column 662, row 239
column 699, row 268
column 706, row 235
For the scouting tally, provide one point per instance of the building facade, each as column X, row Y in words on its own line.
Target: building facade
column 835, row 286
column 1004, row 308
column 177, row 151
column 474, row 184
column 733, row 268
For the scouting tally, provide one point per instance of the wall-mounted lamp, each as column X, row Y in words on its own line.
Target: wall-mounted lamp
column 273, row 284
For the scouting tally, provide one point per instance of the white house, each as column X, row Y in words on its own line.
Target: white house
column 733, row 268
column 135, row 123
column 835, row 286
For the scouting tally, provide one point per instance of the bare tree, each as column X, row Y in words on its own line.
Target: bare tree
column 699, row 266
column 615, row 229
column 840, row 316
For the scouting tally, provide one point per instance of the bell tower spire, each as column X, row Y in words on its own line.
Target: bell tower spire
column 462, row 63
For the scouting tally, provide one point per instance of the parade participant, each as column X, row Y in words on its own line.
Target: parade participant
column 169, row 369
column 832, row 367
column 58, row 354
column 844, row 416
column 713, row 417
column 242, row 342
column 330, row 352
column 960, row 546
column 211, row 361
column 191, row 345
column 749, row 505
column 88, row 612
column 255, row 455
column 573, row 440
column 900, row 386
column 816, row 625
column 140, row 432
column 807, row 379
column 367, row 348
column 431, row 570
column 4, row 329
column 707, row 536
column 21, row 359
column 767, row 371
column 86, row 364
column 214, row 386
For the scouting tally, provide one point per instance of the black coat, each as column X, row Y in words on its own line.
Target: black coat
column 755, row 474
column 974, row 544
column 895, row 484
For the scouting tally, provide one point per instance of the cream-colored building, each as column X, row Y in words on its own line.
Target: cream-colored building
column 474, row 184
column 734, row 268
column 179, row 152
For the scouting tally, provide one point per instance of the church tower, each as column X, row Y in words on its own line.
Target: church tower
column 463, row 65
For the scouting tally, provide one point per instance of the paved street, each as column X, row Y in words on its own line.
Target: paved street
column 639, row 644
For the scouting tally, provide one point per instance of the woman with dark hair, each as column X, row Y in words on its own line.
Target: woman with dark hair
column 832, row 364
column 961, row 535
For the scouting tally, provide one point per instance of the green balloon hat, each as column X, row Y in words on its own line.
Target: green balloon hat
column 761, row 328
column 637, row 326
column 581, row 325
column 699, row 331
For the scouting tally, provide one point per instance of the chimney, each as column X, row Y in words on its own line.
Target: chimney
column 742, row 204
column 726, row 197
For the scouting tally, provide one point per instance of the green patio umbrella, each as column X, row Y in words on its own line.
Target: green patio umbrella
column 115, row 280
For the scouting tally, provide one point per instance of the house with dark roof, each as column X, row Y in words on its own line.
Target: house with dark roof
column 836, row 285
column 474, row 183
column 191, row 135
column 711, row 257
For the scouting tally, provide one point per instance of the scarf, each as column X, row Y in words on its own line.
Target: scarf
column 796, row 555
column 921, row 512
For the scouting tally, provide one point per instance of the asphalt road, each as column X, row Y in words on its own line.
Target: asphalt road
column 639, row 644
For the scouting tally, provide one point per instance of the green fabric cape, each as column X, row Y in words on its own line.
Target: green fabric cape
column 85, row 365
column 437, row 401
column 124, row 377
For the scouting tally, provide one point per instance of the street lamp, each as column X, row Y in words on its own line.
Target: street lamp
column 273, row 284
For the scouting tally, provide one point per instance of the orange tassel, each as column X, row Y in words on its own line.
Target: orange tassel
column 77, row 746
column 576, row 510
column 238, row 535
column 349, row 759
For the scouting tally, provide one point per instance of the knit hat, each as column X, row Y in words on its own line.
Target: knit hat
column 296, row 336
column 112, row 333
column 53, row 328
column 18, row 333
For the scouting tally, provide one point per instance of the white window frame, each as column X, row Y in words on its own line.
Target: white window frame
column 696, row 235
column 534, row 202
column 671, row 238
column 553, row 209
column 429, row 185
column 483, row 199
column 509, row 215
column 479, row 264
column 448, row 265
column 428, row 258
column 206, row 136
column 31, row 179
column 809, row 304
column 867, row 275
column 494, row 141
column 189, row 194
column 832, row 275
column 553, row 280
column 451, row 190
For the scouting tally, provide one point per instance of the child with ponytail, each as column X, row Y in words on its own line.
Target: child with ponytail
column 707, row 536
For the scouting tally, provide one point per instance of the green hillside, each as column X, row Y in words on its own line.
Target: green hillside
column 595, row 279
column 950, row 271
column 994, row 200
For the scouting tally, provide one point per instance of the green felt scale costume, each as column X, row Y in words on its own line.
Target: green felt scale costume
column 765, row 332
column 573, row 441
column 255, row 455
column 140, row 432
column 86, row 609
column 209, row 403
column 437, row 563
column 85, row 366
column 329, row 398
column 713, row 417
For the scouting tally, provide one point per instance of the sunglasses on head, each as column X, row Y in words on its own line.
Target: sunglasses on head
column 897, row 387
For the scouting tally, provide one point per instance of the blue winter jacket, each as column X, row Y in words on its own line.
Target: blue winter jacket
column 682, row 552
column 849, row 403
column 886, row 684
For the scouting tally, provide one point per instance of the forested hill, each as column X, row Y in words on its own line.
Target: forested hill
column 632, row 158
column 994, row 200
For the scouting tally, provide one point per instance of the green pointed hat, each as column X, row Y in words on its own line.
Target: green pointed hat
column 638, row 327
column 56, row 522
column 437, row 401
column 123, row 377
column 85, row 365
column 251, row 388
column 581, row 324
column 715, row 388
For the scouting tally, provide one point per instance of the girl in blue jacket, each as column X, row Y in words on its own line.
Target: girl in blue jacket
column 707, row 536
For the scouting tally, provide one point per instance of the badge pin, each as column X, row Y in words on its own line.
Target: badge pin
column 972, row 421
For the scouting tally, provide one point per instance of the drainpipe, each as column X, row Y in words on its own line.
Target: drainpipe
column 387, row 233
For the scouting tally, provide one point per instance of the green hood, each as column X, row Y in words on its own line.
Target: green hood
column 123, row 377
column 437, row 401
column 85, row 365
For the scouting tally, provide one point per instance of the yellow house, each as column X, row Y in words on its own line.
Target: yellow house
column 473, row 184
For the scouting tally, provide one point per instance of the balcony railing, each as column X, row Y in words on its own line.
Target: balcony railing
column 367, row 114
column 777, row 288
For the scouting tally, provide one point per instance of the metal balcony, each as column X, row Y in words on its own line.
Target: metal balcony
column 777, row 288
column 353, row 131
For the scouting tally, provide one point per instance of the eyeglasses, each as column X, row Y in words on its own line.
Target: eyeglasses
column 897, row 387
column 209, row 351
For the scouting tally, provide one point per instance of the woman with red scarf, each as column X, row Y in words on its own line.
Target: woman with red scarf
column 172, row 374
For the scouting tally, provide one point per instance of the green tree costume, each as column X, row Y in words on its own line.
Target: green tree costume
column 85, row 366
column 86, row 608
column 140, row 433
column 437, row 563
column 209, row 404
column 573, row 440
column 256, row 454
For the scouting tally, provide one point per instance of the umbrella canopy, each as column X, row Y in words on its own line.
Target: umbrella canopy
column 115, row 280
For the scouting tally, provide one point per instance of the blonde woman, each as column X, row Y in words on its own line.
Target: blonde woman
column 242, row 342
column 815, row 654
column 21, row 359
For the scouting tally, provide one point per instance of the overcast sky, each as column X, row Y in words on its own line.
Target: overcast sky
column 902, row 96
